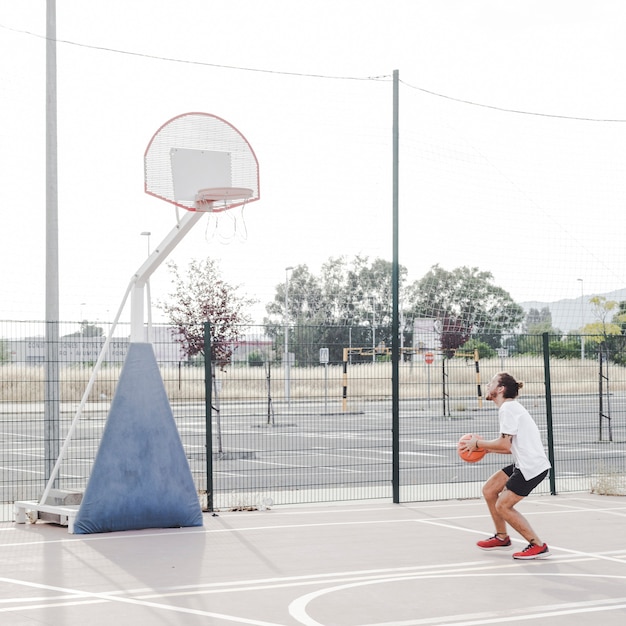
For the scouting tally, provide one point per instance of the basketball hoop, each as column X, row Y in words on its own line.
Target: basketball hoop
column 199, row 151
column 220, row 198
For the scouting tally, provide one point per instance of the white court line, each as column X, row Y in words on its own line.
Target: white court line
column 49, row 605
column 317, row 579
column 594, row 555
column 513, row 615
column 530, row 512
column 32, row 455
column 303, row 512
column 274, row 463
column 409, row 453
column 22, row 436
column 395, row 574
column 203, row 530
column 298, row 608
column 616, row 510
column 87, row 595
column 22, row 471
column 46, row 599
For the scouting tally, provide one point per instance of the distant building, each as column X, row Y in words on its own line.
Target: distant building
column 86, row 350
column 252, row 344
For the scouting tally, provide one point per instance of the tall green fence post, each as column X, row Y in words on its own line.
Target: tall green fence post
column 395, row 323
column 546, row 373
column 208, row 412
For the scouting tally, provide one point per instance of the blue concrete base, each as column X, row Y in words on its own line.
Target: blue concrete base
column 141, row 476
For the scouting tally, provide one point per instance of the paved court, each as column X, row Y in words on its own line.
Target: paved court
column 371, row 563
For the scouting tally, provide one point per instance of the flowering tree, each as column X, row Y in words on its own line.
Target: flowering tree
column 199, row 296
column 454, row 333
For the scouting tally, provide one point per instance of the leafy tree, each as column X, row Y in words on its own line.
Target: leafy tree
column 454, row 333
column 485, row 351
column 529, row 344
column 603, row 334
column 538, row 322
column 5, row 355
column 602, row 308
column 535, row 317
column 600, row 331
column 87, row 330
column 564, row 348
column 256, row 359
column 345, row 305
column 468, row 296
column 202, row 295
column 620, row 317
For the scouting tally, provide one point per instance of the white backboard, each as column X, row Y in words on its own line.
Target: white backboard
column 193, row 170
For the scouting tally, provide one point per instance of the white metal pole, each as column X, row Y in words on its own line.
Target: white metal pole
column 582, row 319
column 373, row 330
column 68, row 438
column 52, row 385
column 142, row 275
column 147, row 233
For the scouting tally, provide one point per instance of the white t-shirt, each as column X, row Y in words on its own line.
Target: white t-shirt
column 526, row 445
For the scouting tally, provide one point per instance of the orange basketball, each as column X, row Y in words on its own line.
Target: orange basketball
column 475, row 455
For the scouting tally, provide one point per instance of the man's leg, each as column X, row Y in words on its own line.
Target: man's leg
column 491, row 491
column 505, row 511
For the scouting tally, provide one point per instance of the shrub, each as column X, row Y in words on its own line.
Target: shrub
column 255, row 359
column 485, row 351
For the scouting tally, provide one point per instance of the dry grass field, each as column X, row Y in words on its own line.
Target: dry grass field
column 20, row 383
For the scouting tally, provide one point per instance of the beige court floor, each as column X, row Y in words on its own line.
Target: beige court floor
column 374, row 564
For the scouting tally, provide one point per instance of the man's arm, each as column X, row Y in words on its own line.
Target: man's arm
column 501, row 445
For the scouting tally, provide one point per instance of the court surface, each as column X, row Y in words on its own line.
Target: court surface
column 367, row 563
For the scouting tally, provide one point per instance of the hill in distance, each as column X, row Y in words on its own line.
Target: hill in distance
column 571, row 315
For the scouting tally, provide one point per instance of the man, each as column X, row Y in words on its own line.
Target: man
column 520, row 437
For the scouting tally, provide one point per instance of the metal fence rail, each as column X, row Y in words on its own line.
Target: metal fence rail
column 311, row 431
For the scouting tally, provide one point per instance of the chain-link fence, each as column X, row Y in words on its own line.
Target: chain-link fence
column 311, row 421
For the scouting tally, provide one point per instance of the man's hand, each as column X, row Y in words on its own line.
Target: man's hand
column 470, row 444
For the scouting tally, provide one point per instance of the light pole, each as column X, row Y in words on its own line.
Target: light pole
column 582, row 319
column 147, row 234
column 373, row 329
column 286, row 341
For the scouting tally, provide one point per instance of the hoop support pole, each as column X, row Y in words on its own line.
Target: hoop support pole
column 79, row 410
column 141, row 276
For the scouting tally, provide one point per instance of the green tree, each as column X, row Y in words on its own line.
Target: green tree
column 538, row 322
column 5, row 355
column 605, row 334
column 564, row 348
column 620, row 317
column 602, row 308
column 485, row 351
column 348, row 303
column 256, row 359
column 468, row 296
column 201, row 295
column 87, row 330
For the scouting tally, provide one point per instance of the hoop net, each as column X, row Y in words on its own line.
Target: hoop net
column 200, row 135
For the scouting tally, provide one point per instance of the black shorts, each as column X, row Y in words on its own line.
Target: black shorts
column 518, row 484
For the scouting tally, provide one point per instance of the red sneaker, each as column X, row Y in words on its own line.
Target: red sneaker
column 494, row 543
column 531, row 551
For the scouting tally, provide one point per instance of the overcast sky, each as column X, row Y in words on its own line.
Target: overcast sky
column 512, row 140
